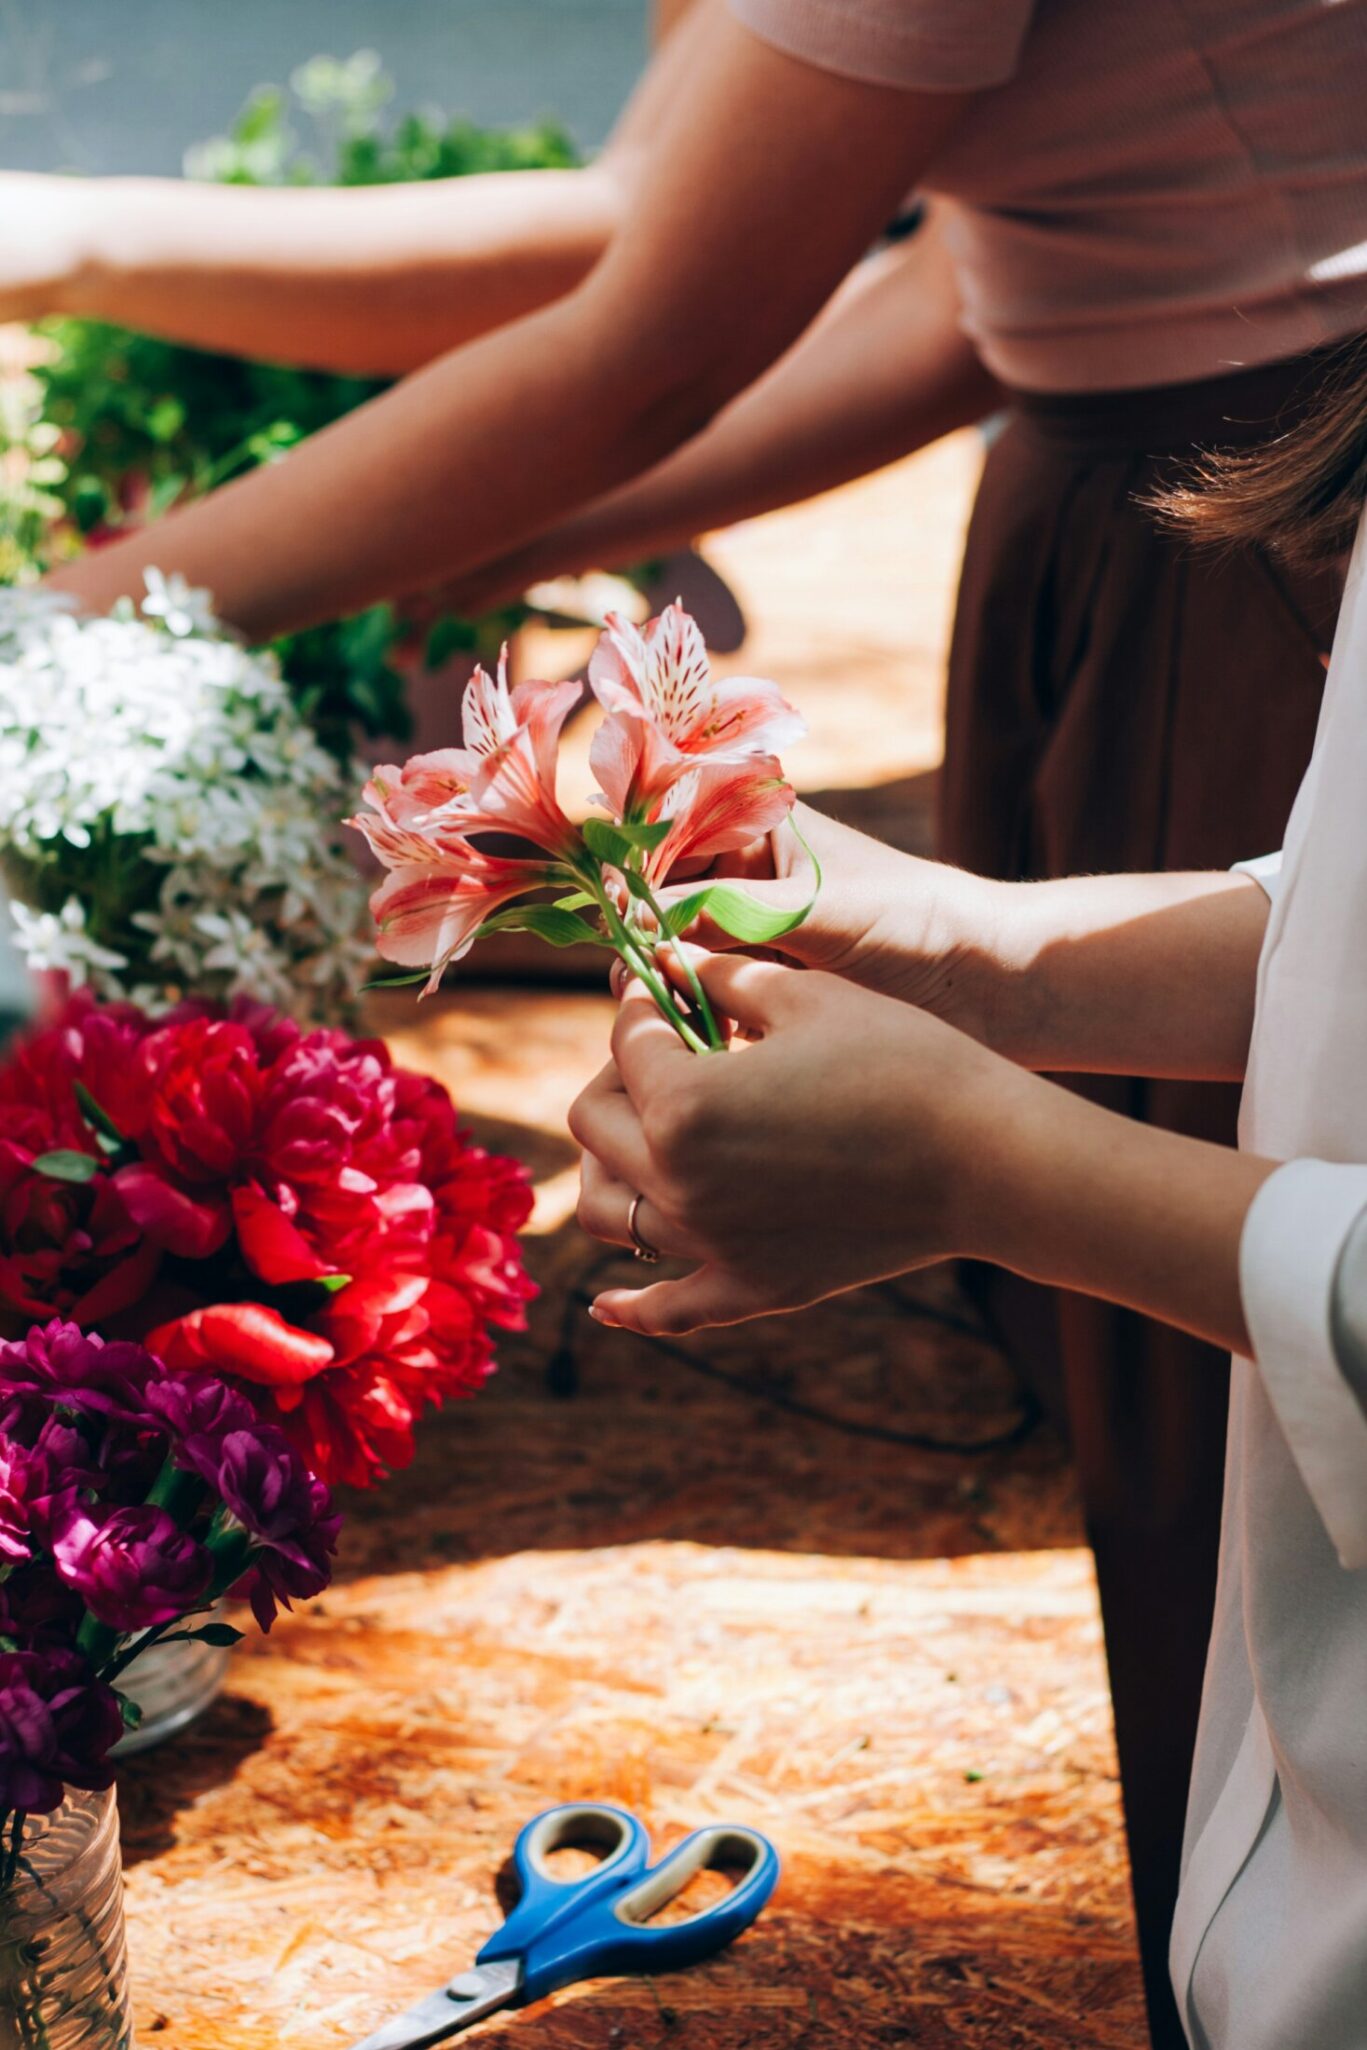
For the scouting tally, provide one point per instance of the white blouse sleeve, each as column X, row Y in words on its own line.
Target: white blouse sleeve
column 1303, row 1280
column 1266, row 871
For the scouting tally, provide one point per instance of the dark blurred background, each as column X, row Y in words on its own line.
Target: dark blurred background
column 127, row 85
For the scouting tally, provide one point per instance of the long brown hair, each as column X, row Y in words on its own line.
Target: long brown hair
column 1301, row 493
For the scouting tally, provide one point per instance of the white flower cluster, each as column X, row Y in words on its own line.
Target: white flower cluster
column 169, row 821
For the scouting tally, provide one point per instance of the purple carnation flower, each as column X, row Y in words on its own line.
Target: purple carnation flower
column 61, row 1363
column 36, row 1609
column 288, row 1511
column 35, row 1489
column 133, row 1568
column 58, row 1725
column 67, row 1450
column 198, row 1411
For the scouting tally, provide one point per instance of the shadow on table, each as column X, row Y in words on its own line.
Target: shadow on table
column 885, row 1423
column 156, row 1786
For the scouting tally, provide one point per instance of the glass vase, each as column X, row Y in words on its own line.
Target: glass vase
column 172, row 1684
column 63, row 1955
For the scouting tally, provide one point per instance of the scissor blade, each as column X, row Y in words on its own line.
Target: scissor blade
column 466, row 1999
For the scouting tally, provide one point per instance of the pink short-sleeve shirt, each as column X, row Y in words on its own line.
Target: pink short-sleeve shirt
column 1142, row 191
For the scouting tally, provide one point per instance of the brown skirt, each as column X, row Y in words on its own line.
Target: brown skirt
column 1119, row 700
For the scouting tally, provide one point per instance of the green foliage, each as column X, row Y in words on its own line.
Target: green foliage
column 65, row 1165
column 550, row 922
column 739, row 914
column 145, row 424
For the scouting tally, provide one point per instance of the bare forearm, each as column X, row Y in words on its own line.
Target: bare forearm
column 1147, row 975
column 885, row 369
column 470, row 456
column 392, row 497
column 1075, row 1196
column 369, row 281
column 372, row 282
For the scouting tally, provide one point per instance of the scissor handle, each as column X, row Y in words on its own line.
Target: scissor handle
column 612, row 1931
column 545, row 1900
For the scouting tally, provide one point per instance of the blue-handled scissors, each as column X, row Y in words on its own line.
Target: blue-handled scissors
column 599, row 1926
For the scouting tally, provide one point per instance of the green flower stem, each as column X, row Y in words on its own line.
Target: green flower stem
column 715, row 1041
column 178, row 1493
column 97, row 1641
column 134, row 1650
column 231, row 1548
column 640, row 967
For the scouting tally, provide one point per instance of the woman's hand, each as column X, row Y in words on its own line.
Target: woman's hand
column 916, row 930
column 841, row 1147
column 1127, row 975
column 858, row 1138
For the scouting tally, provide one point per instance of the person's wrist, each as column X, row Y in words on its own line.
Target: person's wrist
column 1021, row 922
column 1001, row 1152
column 975, row 986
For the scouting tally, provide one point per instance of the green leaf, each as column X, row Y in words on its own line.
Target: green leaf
column 99, row 1120
column 608, row 843
column 637, row 885
column 617, row 843
column 645, row 836
column 333, row 1282
column 130, row 1710
column 449, row 636
column 727, row 905
column 559, row 928
column 397, row 981
column 164, row 494
column 221, row 1635
column 576, row 901
column 752, row 923
column 64, row 1165
column 166, row 418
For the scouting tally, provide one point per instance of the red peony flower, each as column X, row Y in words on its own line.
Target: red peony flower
column 287, row 1209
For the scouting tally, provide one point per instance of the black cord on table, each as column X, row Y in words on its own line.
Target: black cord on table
column 562, row 1376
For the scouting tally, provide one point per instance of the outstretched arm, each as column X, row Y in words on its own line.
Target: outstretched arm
column 369, row 281
column 884, row 369
column 470, row 456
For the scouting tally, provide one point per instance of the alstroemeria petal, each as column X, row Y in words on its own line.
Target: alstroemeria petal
column 662, row 678
column 718, row 807
column 429, row 917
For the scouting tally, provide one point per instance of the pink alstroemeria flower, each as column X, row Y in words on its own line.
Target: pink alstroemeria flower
column 716, row 808
column 502, row 780
column 666, row 711
column 443, row 885
column 431, row 915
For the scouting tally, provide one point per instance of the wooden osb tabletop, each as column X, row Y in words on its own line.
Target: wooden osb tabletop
column 676, row 1590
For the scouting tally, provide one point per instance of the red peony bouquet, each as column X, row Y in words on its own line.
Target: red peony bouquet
column 285, row 1209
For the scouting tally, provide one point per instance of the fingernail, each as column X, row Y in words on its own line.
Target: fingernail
column 602, row 1316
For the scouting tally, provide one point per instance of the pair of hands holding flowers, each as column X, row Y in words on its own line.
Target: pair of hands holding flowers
column 872, row 1105
column 852, row 1131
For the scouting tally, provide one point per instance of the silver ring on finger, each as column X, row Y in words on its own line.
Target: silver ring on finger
column 642, row 1249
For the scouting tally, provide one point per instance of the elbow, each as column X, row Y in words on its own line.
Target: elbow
column 668, row 390
column 664, row 420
